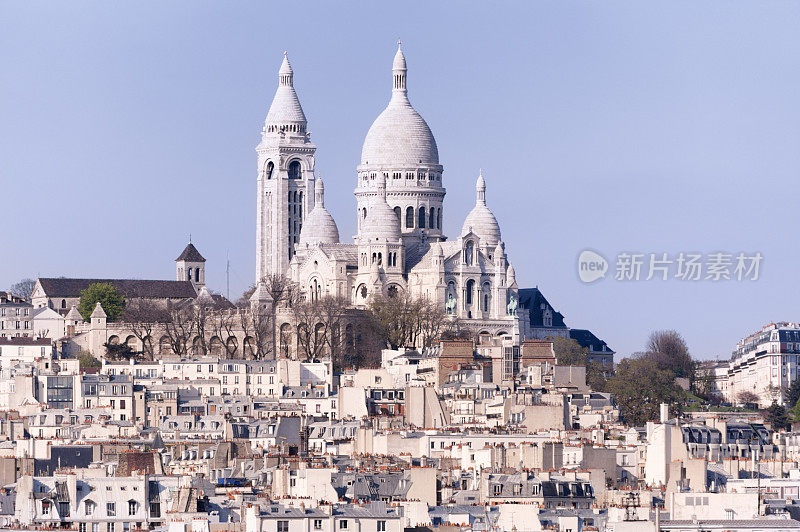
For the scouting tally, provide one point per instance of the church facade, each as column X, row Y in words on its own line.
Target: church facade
column 399, row 192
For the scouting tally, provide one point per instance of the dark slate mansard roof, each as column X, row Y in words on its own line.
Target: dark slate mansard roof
column 533, row 299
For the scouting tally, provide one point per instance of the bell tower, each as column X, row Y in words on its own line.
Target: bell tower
column 191, row 266
column 285, row 178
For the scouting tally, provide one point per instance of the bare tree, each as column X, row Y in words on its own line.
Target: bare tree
column 311, row 330
column 144, row 316
column 180, row 329
column 23, row 288
column 332, row 311
column 668, row 349
column 223, row 326
column 257, row 325
column 409, row 321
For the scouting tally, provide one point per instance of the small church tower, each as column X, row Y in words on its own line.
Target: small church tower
column 191, row 266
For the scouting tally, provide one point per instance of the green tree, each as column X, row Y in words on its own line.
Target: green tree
column 793, row 393
column 639, row 386
column 87, row 360
column 120, row 352
column 110, row 299
column 777, row 417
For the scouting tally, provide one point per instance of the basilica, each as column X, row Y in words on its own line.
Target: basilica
column 399, row 192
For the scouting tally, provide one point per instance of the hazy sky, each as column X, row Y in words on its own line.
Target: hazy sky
column 616, row 126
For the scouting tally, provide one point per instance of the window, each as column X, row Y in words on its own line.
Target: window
column 45, row 507
column 283, row 526
column 89, row 507
column 317, row 524
column 131, row 507
column 269, row 169
column 381, row 526
column 343, row 524
column 294, row 170
column 111, row 509
column 63, row 509
column 421, row 218
column 410, row 218
column 81, row 527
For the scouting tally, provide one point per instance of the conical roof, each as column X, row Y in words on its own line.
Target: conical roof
column 98, row 312
column 73, row 314
column 190, row 254
column 285, row 108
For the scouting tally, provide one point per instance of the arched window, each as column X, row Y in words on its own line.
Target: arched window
column 286, row 335
column 364, row 213
column 392, row 291
column 294, row 170
column 470, row 289
column 432, row 219
column 421, row 218
column 63, row 303
column 188, row 274
column 164, row 345
column 469, row 249
column 269, row 169
column 399, row 213
column 215, row 346
column 197, row 275
column 380, row 259
column 410, row 218
column 487, row 295
column 439, row 222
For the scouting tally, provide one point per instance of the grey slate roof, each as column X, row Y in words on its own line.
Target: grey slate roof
column 190, row 254
column 533, row 299
column 129, row 288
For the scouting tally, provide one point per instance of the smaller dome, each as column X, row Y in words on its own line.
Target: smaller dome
column 381, row 222
column 480, row 219
column 319, row 226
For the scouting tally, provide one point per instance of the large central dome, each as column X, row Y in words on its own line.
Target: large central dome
column 399, row 137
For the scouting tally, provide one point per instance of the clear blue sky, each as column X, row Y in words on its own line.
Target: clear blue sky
column 616, row 126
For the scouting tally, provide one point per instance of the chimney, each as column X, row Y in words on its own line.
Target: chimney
column 664, row 412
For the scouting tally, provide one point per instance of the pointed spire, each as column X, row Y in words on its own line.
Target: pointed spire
column 98, row 312
column 319, row 192
column 399, row 71
column 286, row 74
column 285, row 114
column 480, row 188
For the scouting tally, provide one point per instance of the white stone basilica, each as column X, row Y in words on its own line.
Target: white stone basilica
column 399, row 194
